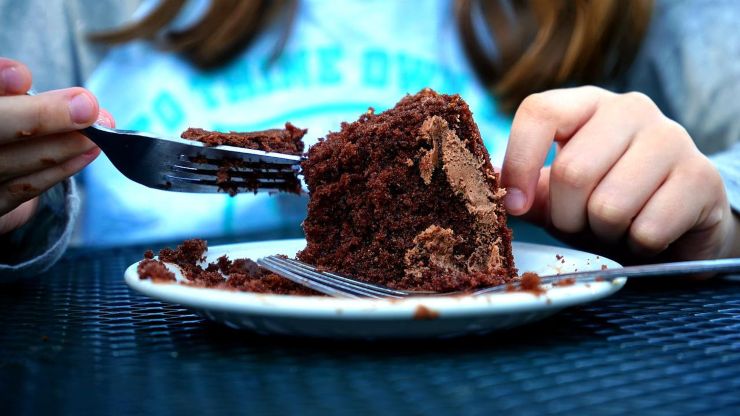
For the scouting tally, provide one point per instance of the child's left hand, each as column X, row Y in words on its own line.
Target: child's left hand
column 624, row 173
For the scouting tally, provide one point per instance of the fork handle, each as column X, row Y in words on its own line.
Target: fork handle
column 652, row 270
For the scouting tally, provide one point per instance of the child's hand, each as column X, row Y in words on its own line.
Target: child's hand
column 623, row 173
column 39, row 145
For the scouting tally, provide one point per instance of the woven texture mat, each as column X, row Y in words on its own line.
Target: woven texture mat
column 77, row 341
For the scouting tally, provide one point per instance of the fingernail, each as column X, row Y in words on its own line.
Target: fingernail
column 103, row 120
column 81, row 108
column 514, row 200
column 12, row 80
column 92, row 152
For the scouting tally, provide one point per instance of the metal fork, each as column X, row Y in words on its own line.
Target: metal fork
column 181, row 165
column 176, row 164
column 336, row 285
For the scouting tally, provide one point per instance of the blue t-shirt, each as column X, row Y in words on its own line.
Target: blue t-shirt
column 341, row 58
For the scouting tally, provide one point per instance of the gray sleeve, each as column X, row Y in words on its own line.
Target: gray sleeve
column 689, row 65
column 38, row 244
column 50, row 36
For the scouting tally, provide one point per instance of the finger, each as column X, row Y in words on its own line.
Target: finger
column 15, row 78
column 105, row 119
column 633, row 180
column 584, row 161
column 48, row 113
column 669, row 213
column 539, row 212
column 19, row 190
column 27, row 156
column 540, row 119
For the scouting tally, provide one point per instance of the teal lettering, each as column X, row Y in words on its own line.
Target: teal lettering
column 452, row 83
column 294, row 67
column 239, row 81
column 167, row 109
column 203, row 85
column 488, row 108
column 375, row 68
column 414, row 73
column 141, row 122
column 328, row 59
column 266, row 77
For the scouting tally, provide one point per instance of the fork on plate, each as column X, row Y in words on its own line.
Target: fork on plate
column 336, row 285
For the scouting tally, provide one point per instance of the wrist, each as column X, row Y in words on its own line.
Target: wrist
column 734, row 245
column 19, row 216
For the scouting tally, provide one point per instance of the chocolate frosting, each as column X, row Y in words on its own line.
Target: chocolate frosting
column 463, row 171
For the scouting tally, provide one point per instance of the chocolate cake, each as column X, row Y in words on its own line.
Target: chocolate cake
column 288, row 140
column 408, row 198
column 235, row 174
column 239, row 274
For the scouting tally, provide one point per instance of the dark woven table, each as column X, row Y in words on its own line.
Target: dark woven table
column 77, row 341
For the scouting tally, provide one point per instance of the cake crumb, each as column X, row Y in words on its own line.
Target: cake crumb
column 530, row 282
column 424, row 313
column 239, row 274
column 568, row 281
column 154, row 270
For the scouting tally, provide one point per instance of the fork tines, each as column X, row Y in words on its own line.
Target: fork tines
column 231, row 176
column 328, row 283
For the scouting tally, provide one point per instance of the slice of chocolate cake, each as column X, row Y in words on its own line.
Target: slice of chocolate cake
column 408, row 198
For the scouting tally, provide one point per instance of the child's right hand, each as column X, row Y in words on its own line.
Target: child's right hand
column 625, row 178
column 39, row 142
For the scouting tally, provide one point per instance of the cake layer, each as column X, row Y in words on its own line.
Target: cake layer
column 287, row 140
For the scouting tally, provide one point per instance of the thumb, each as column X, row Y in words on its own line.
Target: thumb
column 542, row 118
column 539, row 213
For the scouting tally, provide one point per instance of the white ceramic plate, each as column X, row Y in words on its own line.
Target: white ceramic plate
column 439, row 316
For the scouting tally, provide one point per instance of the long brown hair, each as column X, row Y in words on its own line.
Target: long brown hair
column 543, row 44
column 517, row 47
column 224, row 30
